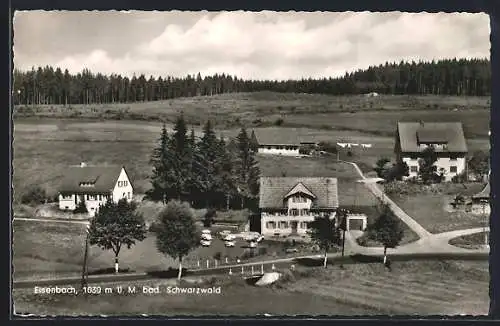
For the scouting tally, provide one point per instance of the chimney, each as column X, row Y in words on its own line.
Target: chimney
column 83, row 164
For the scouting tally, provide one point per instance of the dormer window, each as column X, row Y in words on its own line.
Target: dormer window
column 86, row 184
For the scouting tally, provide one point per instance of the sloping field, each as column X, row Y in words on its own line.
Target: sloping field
column 412, row 288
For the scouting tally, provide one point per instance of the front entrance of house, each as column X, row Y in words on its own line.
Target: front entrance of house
column 294, row 225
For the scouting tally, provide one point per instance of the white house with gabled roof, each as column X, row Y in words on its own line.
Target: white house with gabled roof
column 94, row 185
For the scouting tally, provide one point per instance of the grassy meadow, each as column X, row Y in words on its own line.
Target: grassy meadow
column 411, row 288
column 49, row 138
column 431, row 208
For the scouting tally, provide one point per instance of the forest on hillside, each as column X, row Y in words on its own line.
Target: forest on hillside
column 48, row 85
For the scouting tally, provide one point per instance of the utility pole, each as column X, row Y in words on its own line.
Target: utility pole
column 84, row 267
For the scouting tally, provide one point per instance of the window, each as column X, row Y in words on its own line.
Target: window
column 124, row 195
column 125, row 183
column 283, row 224
column 413, row 168
column 92, row 197
column 453, row 169
column 128, row 195
column 66, row 197
column 303, row 225
column 270, row 225
column 294, row 212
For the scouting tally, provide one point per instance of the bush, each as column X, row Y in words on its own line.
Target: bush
column 209, row 217
column 34, row 196
column 306, row 149
column 81, row 208
column 218, row 255
column 286, row 278
column 327, row 147
column 459, row 178
column 247, row 254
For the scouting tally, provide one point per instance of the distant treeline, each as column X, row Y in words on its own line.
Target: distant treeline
column 49, row 85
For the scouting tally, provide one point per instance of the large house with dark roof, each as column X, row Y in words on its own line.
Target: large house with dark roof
column 272, row 141
column 288, row 204
column 447, row 139
column 94, row 185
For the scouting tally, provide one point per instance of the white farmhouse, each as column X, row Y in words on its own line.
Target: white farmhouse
column 279, row 142
column 288, row 204
column 94, row 185
column 448, row 141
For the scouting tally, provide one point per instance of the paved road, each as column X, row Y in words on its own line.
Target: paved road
column 50, row 220
column 245, row 269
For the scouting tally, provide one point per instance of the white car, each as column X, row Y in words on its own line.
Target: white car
column 229, row 237
column 229, row 243
column 223, row 233
column 205, row 243
column 206, row 236
column 206, row 231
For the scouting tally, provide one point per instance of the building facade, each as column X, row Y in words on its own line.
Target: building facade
column 94, row 185
column 269, row 142
column 447, row 139
column 288, row 204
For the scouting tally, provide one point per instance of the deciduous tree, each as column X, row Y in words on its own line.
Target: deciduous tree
column 116, row 225
column 176, row 233
column 386, row 229
column 325, row 233
column 427, row 170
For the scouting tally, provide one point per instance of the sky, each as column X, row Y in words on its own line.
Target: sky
column 250, row 45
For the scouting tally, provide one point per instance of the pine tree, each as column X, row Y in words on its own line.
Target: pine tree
column 208, row 151
column 180, row 160
column 160, row 162
column 247, row 171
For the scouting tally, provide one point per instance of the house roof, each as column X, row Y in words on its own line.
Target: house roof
column 483, row 194
column 280, row 136
column 300, row 188
column 450, row 133
column 273, row 191
column 103, row 177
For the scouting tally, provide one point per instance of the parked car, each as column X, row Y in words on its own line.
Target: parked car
column 205, row 243
column 223, row 233
column 229, row 243
column 291, row 250
column 253, row 236
column 229, row 237
column 206, row 236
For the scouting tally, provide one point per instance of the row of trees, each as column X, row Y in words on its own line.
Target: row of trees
column 328, row 233
column 119, row 225
column 49, row 85
column 204, row 171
